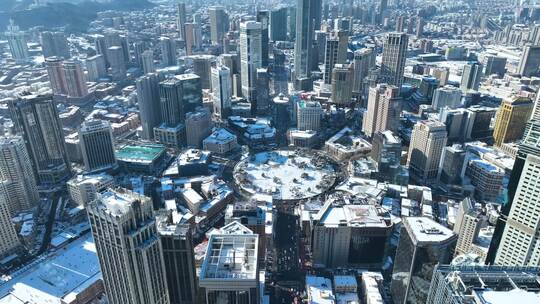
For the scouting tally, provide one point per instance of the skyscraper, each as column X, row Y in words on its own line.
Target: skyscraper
column 36, row 119
column 115, row 56
column 178, row 96
column 335, row 52
column 221, row 89
column 364, row 60
column 306, row 20
column 149, row 104
column 447, row 96
column 342, row 77
column 168, row 51
column 262, row 89
column 263, row 17
column 17, row 42
column 96, row 67
column 495, row 65
column 148, row 62
column 393, row 58
column 10, row 241
column 198, row 127
column 75, row 79
column 519, row 245
column 202, row 67
column 529, row 64
column 97, row 146
column 17, row 176
column 309, row 115
column 511, row 119
column 181, row 20
column 57, row 77
column 250, row 57
column 219, row 23
column 472, row 73
column 427, row 143
column 54, row 44
column 423, row 244
column 383, row 110
column 278, row 22
column 128, row 248
column 179, row 258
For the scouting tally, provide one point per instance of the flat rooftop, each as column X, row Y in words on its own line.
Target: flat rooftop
column 49, row 279
column 426, row 230
column 142, row 153
column 230, row 257
column 353, row 216
column 319, row 290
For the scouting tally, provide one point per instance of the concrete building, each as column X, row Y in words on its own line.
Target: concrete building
column 178, row 96
column 198, row 127
column 350, row 235
column 220, row 141
column 383, row 110
column 147, row 59
column 250, row 57
column 168, row 51
column 393, row 58
column 335, row 53
column 9, row 240
column 472, row 74
column 219, row 23
column 519, row 246
column 427, row 143
column 511, row 119
column 17, row 42
column 495, row 66
column 278, row 21
column 529, row 64
column 486, row 178
column 364, row 60
column 202, row 67
column 17, row 175
column 36, row 119
column 484, row 284
column 447, row 96
column 54, row 44
column 128, row 247
column 83, row 189
column 263, row 17
column 115, row 57
column 342, row 78
column 345, row 144
column 97, row 145
column 423, row 244
column 96, row 68
column 57, row 77
column 181, row 20
column 75, row 79
column 148, row 100
column 307, row 14
column 309, row 115
column 229, row 271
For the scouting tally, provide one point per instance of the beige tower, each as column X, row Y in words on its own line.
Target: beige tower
column 511, row 119
column 383, row 110
column 427, row 143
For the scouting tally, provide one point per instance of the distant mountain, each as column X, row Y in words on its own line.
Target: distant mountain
column 75, row 17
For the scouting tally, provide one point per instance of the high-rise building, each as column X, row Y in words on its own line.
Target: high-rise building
column 202, row 67
column 57, row 77
column 75, row 79
column 36, row 119
column 181, row 20
column 447, row 96
column 278, row 22
column 308, row 114
column 84, row 188
column 306, row 21
column 97, row 145
column 536, row 108
column 115, row 56
column 467, row 226
column 511, row 119
column 96, row 67
column 262, row 89
column 529, row 146
column 101, row 46
column 17, row 42
column 149, row 104
column 10, row 241
column 128, row 248
column 250, row 57
column 472, row 73
column 179, row 258
column 342, row 77
column 221, row 89
column 198, row 127
column 423, row 244
column 427, row 143
column 335, row 53
column 519, row 244
column 456, row 284
column 486, row 178
column 168, row 51
column 364, row 60
column 393, row 58
column 263, row 17
column 495, row 65
column 17, row 176
column 178, row 96
column 147, row 58
column 280, row 73
column 452, row 164
column 529, row 64
column 54, row 44
column 383, row 110
column 219, row 23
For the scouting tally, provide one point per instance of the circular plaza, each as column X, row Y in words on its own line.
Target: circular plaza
column 286, row 175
